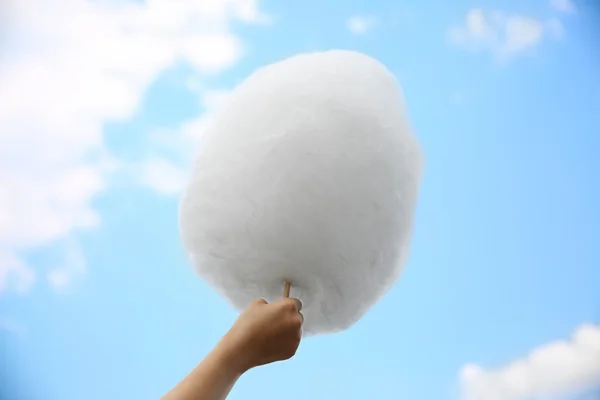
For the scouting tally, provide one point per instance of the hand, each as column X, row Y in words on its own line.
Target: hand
column 265, row 333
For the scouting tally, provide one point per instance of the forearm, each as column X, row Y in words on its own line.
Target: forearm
column 213, row 378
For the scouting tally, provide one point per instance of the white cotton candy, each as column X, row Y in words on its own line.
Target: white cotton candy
column 308, row 173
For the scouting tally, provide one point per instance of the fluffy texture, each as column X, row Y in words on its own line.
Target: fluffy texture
column 309, row 173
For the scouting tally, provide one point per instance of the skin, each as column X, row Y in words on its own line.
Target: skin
column 264, row 333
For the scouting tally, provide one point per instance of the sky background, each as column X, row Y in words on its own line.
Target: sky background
column 102, row 104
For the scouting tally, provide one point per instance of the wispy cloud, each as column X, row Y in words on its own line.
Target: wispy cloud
column 505, row 36
column 66, row 68
column 361, row 24
column 14, row 273
column 554, row 370
column 459, row 98
column 563, row 6
column 12, row 326
column 555, row 28
column 71, row 267
column 168, row 175
column 163, row 176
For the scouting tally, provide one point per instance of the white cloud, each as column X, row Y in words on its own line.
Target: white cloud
column 14, row 273
column 503, row 35
column 168, row 177
column 361, row 24
column 564, row 6
column 163, row 176
column 211, row 101
column 552, row 371
column 66, row 68
column 71, row 267
column 555, row 28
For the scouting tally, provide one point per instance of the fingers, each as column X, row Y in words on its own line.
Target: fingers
column 293, row 306
column 297, row 303
column 259, row 302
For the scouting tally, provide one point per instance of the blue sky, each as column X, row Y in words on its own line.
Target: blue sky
column 101, row 105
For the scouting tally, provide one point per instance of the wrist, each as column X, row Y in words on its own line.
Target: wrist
column 233, row 355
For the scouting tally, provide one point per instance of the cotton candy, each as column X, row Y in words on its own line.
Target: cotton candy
column 308, row 173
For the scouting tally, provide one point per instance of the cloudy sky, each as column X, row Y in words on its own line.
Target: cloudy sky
column 103, row 103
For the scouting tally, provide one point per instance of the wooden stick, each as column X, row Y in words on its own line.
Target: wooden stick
column 286, row 289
